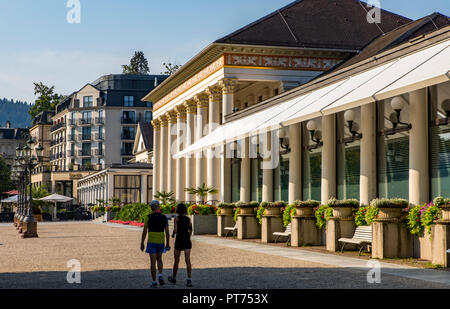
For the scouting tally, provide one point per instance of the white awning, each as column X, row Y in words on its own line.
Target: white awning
column 415, row 71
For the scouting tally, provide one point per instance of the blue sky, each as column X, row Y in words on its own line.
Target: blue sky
column 38, row 44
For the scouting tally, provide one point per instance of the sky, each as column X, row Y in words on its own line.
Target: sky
column 37, row 43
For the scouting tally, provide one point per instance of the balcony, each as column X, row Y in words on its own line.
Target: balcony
column 85, row 153
column 71, row 153
column 128, row 136
column 86, row 167
column 72, row 138
column 57, row 126
column 126, row 152
column 99, row 152
column 99, row 120
column 130, row 120
column 99, row 137
column 85, row 121
column 72, row 122
column 84, row 137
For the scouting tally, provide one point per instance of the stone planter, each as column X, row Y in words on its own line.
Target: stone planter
column 227, row 211
column 204, row 224
column 342, row 212
column 246, row 211
column 304, row 212
column 389, row 213
column 272, row 211
column 445, row 212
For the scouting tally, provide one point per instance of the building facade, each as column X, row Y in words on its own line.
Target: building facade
column 237, row 75
column 10, row 139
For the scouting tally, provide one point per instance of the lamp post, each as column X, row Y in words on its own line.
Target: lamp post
column 25, row 161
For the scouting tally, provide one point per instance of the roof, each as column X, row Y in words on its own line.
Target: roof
column 44, row 117
column 133, row 166
column 328, row 24
column 18, row 133
column 399, row 36
column 147, row 134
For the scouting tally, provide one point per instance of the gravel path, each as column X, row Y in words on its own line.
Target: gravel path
column 110, row 258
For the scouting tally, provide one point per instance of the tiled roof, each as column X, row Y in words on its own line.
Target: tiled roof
column 317, row 24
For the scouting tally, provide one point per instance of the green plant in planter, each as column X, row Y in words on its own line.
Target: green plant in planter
column 280, row 204
column 288, row 213
column 309, row 203
column 265, row 204
column 429, row 216
column 253, row 204
column 236, row 213
column 333, row 202
column 372, row 214
column 259, row 213
column 389, row 203
column 414, row 220
column 224, row 205
column 360, row 216
column 323, row 213
column 439, row 201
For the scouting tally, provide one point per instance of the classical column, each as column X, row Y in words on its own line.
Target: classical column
column 246, row 190
column 213, row 162
column 163, row 154
column 328, row 157
column 171, row 176
column 202, row 100
column 295, row 162
column 180, row 144
column 156, row 154
column 267, row 185
column 418, row 145
column 228, row 85
column 368, row 154
column 190, row 166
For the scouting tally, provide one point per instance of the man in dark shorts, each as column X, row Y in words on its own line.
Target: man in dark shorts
column 156, row 225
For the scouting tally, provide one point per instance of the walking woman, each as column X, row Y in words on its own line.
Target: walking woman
column 182, row 228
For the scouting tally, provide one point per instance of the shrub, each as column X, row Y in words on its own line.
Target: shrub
column 360, row 216
column 288, row 213
column 168, row 209
column 371, row 215
column 429, row 216
column 414, row 220
column 201, row 210
column 323, row 213
column 133, row 212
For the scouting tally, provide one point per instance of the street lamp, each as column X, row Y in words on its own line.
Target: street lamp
column 397, row 104
column 353, row 126
column 316, row 134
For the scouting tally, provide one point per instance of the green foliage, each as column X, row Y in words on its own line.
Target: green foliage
column 236, row 213
column 165, row 197
column 46, row 101
column 343, row 203
column 309, row 203
column 38, row 193
column 440, row 201
column 138, row 65
column 259, row 213
column 201, row 210
column 170, row 68
column 429, row 217
column 226, row 205
column 389, row 203
column 201, row 192
column 360, row 216
column 133, row 212
column 265, row 204
column 5, row 176
column 115, row 201
column 280, row 204
column 16, row 112
column 414, row 221
column 323, row 213
column 288, row 213
column 168, row 209
column 372, row 214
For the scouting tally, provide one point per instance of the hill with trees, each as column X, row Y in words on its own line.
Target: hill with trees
column 16, row 112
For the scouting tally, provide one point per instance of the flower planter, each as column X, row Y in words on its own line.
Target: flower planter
column 304, row 211
column 227, row 211
column 246, row 211
column 204, row 224
column 273, row 211
column 389, row 213
column 445, row 212
column 342, row 212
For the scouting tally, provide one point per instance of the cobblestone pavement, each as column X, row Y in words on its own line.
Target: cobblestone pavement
column 110, row 258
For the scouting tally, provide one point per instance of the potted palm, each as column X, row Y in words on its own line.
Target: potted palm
column 305, row 208
column 201, row 192
column 164, row 197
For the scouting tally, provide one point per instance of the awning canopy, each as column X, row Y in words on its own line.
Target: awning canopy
column 56, row 198
column 420, row 69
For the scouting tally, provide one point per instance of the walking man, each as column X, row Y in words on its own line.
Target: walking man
column 155, row 226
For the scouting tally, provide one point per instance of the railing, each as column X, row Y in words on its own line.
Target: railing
column 57, row 126
column 99, row 120
column 72, row 138
column 85, row 137
column 72, row 122
column 99, row 152
column 99, row 137
column 85, row 121
column 130, row 120
column 85, row 153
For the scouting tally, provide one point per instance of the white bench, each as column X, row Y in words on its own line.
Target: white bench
column 362, row 238
column 233, row 230
column 287, row 233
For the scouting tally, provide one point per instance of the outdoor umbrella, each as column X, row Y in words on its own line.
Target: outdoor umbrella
column 56, row 198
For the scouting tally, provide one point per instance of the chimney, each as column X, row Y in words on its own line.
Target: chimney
column 8, row 124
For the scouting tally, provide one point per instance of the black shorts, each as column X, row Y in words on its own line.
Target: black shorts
column 182, row 244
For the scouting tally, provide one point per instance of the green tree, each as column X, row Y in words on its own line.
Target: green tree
column 46, row 101
column 138, row 65
column 170, row 68
column 164, row 197
column 201, row 191
column 5, row 176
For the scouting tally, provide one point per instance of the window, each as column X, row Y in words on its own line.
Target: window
column 281, row 180
column 127, row 188
column 236, row 179
column 128, row 133
column 392, row 153
column 128, row 117
column 88, row 101
column 127, row 149
column 148, row 116
column 86, row 133
column 128, row 101
column 440, row 140
column 86, row 149
column 348, row 159
column 100, row 133
column 256, row 179
column 149, row 189
column 312, row 167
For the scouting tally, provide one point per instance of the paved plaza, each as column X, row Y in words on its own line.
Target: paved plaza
column 110, row 258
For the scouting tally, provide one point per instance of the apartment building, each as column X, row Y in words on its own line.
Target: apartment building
column 95, row 127
column 10, row 138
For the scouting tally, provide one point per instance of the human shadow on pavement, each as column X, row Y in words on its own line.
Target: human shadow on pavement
column 216, row 278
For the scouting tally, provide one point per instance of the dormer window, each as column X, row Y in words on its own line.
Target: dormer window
column 128, row 101
column 88, row 101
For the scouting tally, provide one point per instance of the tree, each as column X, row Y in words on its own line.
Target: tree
column 138, row 65
column 5, row 176
column 201, row 192
column 164, row 197
column 170, row 68
column 46, row 101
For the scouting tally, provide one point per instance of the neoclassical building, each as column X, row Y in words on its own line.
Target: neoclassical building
column 241, row 74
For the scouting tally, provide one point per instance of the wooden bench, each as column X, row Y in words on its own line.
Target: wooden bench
column 233, row 230
column 287, row 233
column 362, row 238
